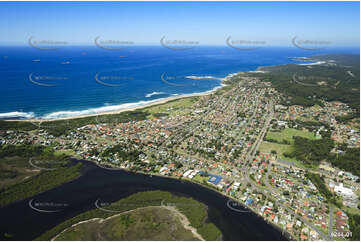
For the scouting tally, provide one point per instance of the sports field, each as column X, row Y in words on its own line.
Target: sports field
column 287, row 134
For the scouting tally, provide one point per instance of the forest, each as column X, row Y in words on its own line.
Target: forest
column 311, row 152
column 338, row 80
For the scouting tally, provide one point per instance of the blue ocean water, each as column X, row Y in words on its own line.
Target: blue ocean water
column 79, row 80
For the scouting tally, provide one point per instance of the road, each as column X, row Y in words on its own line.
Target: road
column 278, row 202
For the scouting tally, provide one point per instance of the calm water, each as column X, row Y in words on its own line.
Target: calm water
column 134, row 75
column 108, row 186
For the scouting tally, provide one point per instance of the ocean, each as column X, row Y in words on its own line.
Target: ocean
column 81, row 80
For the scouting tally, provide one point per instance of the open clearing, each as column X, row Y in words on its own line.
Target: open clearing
column 288, row 133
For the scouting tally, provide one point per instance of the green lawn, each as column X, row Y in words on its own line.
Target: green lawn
column 200, row 179
column 267, row 147
column 288, row 133
column 171, row 106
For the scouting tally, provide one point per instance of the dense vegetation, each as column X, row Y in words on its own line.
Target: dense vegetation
column 340, row 82
column 41, row 182
column 347, row 117
column 195, row 211
column 24, row 150
column 147, row 223
column 311, row 152
column 318, row 181
column 122, row 153
column 354, row 222
column 349, row 160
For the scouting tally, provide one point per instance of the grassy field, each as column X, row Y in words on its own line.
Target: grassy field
column 267, row 147
column 170, row 107
column 152, row 223
column 200, row 179
column 288, row 133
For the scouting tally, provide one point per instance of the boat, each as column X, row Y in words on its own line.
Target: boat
column 37, row 60
column 65, row 63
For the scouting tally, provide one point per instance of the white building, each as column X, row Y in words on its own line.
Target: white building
column 187, row 173
column 344, row 191
column 236, row 185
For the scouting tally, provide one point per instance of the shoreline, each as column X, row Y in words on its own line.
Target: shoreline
column 139, row 106
column 183, row 220
column 284, row 233
column 277, row 227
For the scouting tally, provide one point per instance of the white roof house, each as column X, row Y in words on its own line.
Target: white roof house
column 340, row 189
column 236, row 185
column 187, row 173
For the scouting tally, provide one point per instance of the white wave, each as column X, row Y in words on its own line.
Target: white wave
column 200, row 77
column 232, row 74
column 17, row 115
column 154, row 93
column 312, row 64
column 67, row 114
column 257, row 71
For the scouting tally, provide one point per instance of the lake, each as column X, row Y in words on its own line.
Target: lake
column 80, row 195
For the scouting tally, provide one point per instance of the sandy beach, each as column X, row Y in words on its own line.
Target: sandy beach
column 156, row 102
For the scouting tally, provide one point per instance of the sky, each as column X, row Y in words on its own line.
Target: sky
column 208, row 23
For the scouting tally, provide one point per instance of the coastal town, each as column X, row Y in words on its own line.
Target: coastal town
column 238, row 141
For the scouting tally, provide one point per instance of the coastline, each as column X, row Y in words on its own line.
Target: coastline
column 210, row 187
column 285, row 233
column 137, row 105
